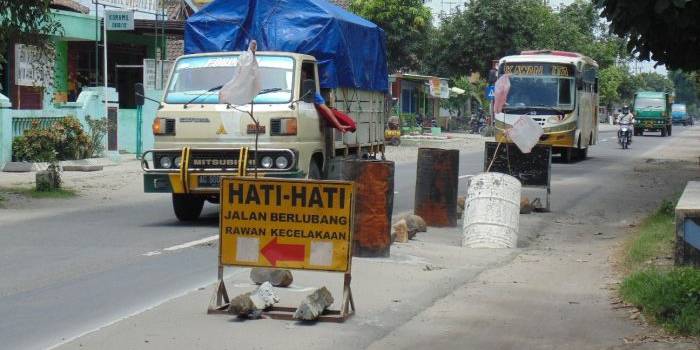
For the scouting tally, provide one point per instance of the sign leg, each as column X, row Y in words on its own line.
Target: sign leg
column 219, row 300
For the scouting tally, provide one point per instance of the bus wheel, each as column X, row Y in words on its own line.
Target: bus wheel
column 566, row 155
column 187, row 207
column 582, row 153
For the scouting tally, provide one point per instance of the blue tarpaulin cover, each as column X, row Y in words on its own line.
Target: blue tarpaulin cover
column 351, row 51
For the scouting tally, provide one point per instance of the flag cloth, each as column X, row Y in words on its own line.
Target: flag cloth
column 245, row 84
column 501, row 93
column 525, row 133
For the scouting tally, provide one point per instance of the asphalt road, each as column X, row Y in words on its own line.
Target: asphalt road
column 66, row 273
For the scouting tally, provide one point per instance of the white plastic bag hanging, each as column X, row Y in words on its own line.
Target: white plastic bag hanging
column 525, row 133
column 501, row 90
column 245, row 84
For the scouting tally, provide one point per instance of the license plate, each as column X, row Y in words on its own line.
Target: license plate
column 210, row 181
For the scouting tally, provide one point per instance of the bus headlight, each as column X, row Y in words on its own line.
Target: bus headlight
column 266, row 162
column 165, row 162
column 281, row 162
column 177, row 162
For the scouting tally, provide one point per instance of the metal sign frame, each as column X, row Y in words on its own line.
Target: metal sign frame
column 220, row 301
column 547, row 186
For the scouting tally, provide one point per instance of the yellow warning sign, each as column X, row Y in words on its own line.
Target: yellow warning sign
column 295, row 224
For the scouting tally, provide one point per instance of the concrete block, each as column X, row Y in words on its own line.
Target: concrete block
column 314, row 304
column 687, row 210
column 276, row 277
column 18, row 167
column 400, row 231
column 82, row 168
column 415, row 224
column 252, row 303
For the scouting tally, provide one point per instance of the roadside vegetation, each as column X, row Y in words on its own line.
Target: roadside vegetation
column 667, row 295
column 33, row 193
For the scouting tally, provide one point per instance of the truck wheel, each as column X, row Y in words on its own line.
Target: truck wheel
column 663, row 132
column 186, row 207
column 314, row 171
column 670, row 130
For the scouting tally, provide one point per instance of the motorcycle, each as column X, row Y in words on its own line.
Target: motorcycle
column 624, row 135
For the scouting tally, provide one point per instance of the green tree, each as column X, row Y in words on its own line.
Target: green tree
column 654, row 82
column 485, row 30
column 29, row 22
column 666, row 31
column 457, row 104
column 407, row 24
column 684, row 84
column 610, row 80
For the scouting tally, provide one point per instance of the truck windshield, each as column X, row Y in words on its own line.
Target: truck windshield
column 540, row 91
column 678, row 108
column 648, row 103
column 193, row 76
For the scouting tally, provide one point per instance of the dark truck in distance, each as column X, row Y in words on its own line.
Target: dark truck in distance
column 652, row 112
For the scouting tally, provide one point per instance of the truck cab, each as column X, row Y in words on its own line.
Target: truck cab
column 652, row 112
column 279, row 134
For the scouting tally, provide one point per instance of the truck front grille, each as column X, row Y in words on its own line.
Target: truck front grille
column 275, row 126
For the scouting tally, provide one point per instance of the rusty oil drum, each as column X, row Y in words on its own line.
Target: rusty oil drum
column 374, row 203
column 437, row 179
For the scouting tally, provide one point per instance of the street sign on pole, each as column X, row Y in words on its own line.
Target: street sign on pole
column 490, row 92
column 119, row 19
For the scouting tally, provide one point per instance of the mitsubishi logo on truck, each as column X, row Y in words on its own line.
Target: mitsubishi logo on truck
column 214, row 162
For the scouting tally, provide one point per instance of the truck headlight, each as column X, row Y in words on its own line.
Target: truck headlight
column 165, row 162
column 281, row 162
column 266, row 162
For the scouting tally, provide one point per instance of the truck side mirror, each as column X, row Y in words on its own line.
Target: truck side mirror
column 308, row 90
column 139, row 94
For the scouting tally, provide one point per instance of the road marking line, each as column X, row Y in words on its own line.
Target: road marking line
column 193, row 243
column 465, row 176
column 155, row 252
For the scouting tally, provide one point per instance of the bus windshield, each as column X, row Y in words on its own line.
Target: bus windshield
column 541, row 91
column 648, row 103
column 194, row 76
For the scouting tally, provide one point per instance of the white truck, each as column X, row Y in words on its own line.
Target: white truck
column 198, row 139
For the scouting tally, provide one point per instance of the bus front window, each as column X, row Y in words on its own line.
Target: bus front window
column 541, row 91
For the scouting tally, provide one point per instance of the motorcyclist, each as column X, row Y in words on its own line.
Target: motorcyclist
column 626, row 117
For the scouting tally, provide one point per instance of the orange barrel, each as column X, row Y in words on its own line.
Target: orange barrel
column 374, row 203
column 437, row 186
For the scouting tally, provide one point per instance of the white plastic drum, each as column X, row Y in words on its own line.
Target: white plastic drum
column 492, row 210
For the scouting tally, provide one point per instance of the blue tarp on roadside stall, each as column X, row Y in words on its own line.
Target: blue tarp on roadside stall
column 351, row 51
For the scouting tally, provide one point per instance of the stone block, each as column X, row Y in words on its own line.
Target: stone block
column 314, row 305
column 277, row 277
column 400, row 231
column 252, row 303
column 18, row 167
column 82, row 168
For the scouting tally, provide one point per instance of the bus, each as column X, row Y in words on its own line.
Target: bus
column 559, row 91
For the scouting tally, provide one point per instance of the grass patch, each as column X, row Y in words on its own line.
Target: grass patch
column 656, row 238
column 31, row 192
column 671, row 297
column 668, row 295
